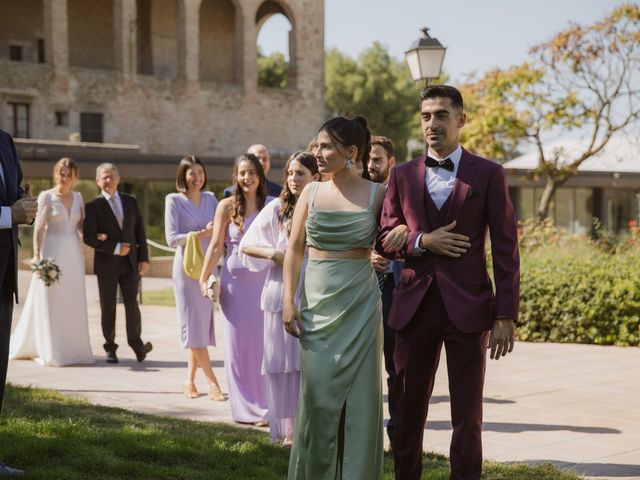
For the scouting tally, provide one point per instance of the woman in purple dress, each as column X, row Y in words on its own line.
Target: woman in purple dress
column 242, row 318
column 186, row 212
column 263, row 248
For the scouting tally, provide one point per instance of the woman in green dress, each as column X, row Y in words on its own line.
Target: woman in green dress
column 339, row 424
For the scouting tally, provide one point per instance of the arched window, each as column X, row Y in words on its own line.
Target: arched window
column 22, row 31
column 91, row 34
column 218, row 41
column 157, row 22
column 275, row 46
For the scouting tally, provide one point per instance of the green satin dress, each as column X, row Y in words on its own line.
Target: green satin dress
column 340, row 353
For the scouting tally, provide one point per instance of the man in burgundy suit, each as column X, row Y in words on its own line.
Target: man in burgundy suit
column 448, row 199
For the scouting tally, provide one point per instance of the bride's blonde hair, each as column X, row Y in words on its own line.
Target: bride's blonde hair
column 68, row 162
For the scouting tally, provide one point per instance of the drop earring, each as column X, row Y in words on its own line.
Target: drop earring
column 349, row 163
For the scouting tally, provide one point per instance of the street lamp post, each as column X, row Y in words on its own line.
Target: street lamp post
column 425, row 57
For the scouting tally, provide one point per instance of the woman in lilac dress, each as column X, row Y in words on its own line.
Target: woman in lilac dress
column 263, row 248
column 242, row 318
column 186, row 212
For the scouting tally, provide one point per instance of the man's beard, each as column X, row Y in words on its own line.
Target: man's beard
column 380, row 177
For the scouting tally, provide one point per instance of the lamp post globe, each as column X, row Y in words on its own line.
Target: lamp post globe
column 425, row 57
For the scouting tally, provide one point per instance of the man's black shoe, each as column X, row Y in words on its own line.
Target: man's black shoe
column 142, row 353
column 112, row 357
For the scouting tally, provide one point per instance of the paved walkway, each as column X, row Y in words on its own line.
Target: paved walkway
column 576, row 406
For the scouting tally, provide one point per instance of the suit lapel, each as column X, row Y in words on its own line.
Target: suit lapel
column 108, row 212
column 461, row 186
column 125, row 210
column 5, row 195
column 420, row 175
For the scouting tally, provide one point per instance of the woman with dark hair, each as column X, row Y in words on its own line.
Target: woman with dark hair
column 242, row 319
column 53, row 327
column 263, row 248
column 339, row 425
column 188, row 213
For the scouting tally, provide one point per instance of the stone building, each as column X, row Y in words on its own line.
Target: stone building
column 163, row 78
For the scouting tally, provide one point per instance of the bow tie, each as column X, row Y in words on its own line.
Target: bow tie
column 447, row 163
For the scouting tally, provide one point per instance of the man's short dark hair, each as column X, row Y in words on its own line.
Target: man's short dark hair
column 384, row 142
column 444, row 91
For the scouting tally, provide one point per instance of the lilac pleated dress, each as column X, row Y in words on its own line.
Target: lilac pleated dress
column 195, row 312
column 281, row 361
column 243, row 332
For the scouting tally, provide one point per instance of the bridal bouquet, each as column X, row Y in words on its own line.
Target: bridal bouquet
column 46, row 269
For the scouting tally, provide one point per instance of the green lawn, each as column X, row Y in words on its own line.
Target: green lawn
column 56, row 437
column 163, row 297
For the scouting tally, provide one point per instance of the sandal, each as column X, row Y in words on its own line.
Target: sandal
column 216, row 394
column 190, row 390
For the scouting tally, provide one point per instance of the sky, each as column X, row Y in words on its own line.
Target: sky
column 478, row 34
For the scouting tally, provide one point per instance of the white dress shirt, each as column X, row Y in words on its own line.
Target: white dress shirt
column 5, row 213
column 440, row 182
column 118, row 202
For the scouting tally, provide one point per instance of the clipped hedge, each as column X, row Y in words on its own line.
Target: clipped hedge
column 577, row 293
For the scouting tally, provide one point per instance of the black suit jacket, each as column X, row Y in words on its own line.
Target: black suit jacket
column 99, row 218
column 9, row 193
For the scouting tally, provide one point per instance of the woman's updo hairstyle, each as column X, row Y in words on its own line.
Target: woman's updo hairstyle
column 351, row 131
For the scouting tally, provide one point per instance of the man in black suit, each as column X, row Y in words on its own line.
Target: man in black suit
column 16, row 207
column 113, row 227
column 381, row 161
column 260, row 151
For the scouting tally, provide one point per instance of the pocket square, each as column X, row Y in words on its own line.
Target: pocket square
column 473, row 193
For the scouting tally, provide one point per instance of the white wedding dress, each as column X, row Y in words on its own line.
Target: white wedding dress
column 53, row 327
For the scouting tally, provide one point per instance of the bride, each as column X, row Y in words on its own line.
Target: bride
column 53, row 327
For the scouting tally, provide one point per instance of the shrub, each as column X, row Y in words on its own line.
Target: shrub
column 574, row 291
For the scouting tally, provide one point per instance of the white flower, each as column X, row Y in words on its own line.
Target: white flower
column 53, row 274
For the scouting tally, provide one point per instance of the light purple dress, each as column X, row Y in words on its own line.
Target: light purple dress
column 195, row 312
column 242, row 331
column 281, row 361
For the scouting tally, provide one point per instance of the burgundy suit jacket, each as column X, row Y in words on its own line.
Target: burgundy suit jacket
column 479, row 201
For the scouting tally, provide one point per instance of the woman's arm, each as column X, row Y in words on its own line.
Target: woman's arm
column 216, row 247
column 40, row 224
column 81, row 221
column 172, row 233
column 395, row 240
column 266, row 253
column 261, row 240
column 293, row 264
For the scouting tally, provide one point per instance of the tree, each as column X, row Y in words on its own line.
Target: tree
column 273, row 70
column 376, row 86
column 584, row 80
column 494, row 128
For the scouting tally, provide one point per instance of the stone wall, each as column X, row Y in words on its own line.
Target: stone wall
column 169, row 110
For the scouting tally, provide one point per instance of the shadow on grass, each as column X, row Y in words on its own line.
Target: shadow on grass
column 53, row 436
column 50, row 436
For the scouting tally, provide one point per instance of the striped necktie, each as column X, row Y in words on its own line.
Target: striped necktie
column 380, row 276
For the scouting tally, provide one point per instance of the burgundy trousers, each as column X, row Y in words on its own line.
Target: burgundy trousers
column 416, row 358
